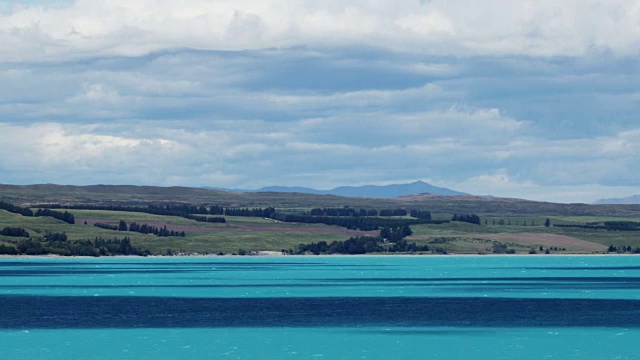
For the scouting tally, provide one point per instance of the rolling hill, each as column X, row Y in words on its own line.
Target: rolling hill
column 141, row 195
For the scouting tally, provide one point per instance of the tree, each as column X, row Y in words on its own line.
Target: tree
column 122, row 226
column 406, row 231
column 547, row 223
column 499, row 248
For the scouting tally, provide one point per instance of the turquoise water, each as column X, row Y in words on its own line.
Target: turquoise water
column 321, row 307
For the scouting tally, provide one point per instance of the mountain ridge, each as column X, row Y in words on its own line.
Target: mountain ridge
column 364, row 191
column 629, row 200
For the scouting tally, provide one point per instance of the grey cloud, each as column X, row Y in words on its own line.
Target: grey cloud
column 303, row 116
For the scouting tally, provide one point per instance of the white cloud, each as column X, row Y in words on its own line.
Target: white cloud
column 545, row 28
column 502, row 184
column 257, row 153
column 475, row 126
column 356, row 99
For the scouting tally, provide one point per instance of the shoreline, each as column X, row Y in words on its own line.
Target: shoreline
column 52, row 256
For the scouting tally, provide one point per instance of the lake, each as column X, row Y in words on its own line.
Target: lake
column 378, row 307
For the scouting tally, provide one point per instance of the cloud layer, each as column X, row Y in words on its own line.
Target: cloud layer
column 535, row 99
column 491, row 27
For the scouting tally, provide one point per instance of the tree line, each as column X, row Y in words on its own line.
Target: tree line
column 363, row 219
column 64, row 216
column 255, row 212
column 149, row 229
column 209, row 219
column 354, row 223
column 607, row 225
column 191, row 212
column 347, row 211
column 623, row 249
column 14, row 231
column 140, row 228
column 470, row 218
column 15, row 209
column 344, row 211
column 393, row 212
column 184, row 210
column 57, row 243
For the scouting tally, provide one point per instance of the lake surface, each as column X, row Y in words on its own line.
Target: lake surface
column 411, row 307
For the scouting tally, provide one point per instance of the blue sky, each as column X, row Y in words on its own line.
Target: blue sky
column 530, row 99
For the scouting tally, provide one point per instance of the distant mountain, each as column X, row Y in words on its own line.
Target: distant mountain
column 631, row 200
column 391, row 191
column 366, row 191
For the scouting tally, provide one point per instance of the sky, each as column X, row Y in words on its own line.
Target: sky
column 535, row 99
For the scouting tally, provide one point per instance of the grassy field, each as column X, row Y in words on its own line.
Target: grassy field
column 250, row 234
column 461, row 237
column 256, row 234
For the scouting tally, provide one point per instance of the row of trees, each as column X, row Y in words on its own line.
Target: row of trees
column 168, row 209
column 393, row 212
column 15, row 209
column 607, row 225
column 149, row 229
column 96, row 247
column 347, row 211
column 64, row 216
column 344, row 211
column 209, row 219
column 255, row 212
column 623, row 249
column 355, row 223
column 317, row 215
column 508, row 222
column 179, row 208
column 141, row 228
column 192, row 212
column 470, row 218
column 14, row 231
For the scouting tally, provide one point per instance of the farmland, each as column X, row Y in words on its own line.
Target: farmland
column 517, row 226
